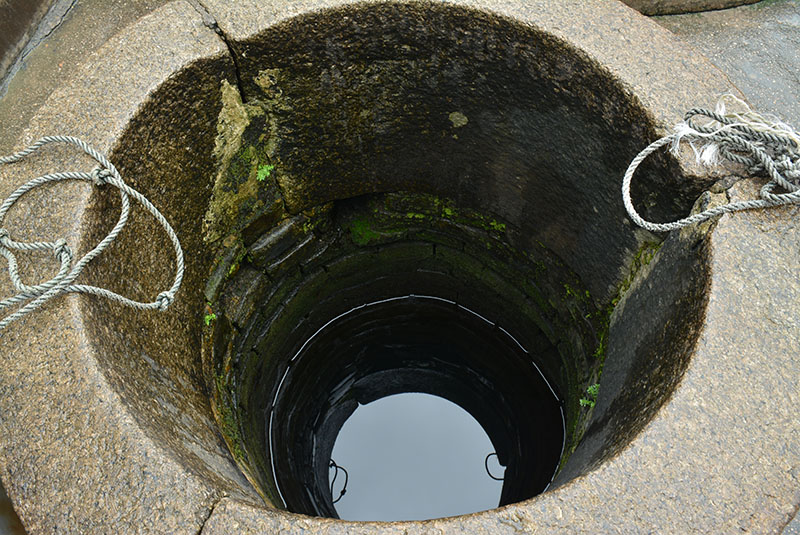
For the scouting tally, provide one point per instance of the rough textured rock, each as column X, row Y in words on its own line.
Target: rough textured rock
column 78, row 30
column 757, row 47
column 52, row 458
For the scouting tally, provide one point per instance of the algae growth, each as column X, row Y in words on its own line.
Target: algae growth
column 245, row 151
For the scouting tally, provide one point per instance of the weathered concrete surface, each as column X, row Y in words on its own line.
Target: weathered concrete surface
column 666, row 7
column 109, row 461
column 52, row 458
column 756, row 46
column 78, row 30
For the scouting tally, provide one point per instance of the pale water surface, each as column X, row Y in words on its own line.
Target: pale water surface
column 413, row 457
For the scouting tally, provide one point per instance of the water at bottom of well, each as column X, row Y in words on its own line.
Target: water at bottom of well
column 413, row 456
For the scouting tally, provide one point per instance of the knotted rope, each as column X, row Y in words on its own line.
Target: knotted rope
column 762, row 143
column 35, row 296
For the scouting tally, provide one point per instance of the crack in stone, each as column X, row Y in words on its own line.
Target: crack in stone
column 50, row 31
column 211, row 510
column 41, row 33
column 211, row 22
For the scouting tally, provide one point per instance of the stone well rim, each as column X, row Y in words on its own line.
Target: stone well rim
column 665, row 102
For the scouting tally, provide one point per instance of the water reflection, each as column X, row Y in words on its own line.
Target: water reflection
column 413, row 457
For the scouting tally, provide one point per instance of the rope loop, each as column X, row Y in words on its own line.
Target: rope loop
column 337, row 468
column 762, row 143
column 30, row 298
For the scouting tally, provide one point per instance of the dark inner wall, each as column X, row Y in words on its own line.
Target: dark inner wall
column 439, row 101
column 652, row 335
column 414, row 344
column 365, row 106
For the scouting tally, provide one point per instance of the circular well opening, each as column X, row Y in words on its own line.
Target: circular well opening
column 451, row 171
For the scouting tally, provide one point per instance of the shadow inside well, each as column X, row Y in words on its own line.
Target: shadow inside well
column 9, row 521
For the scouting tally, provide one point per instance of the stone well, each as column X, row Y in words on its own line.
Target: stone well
column 314, row 156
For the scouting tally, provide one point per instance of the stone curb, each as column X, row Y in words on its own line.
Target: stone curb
column 53, row 460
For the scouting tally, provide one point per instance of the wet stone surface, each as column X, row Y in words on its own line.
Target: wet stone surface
column 758, row 48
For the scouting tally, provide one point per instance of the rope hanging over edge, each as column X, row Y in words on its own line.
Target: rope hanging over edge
column 35, row 296
column 762, row 143
column 337, row 468
column 489, row 472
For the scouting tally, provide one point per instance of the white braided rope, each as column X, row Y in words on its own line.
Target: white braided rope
column 764, row 144
column 34, row 296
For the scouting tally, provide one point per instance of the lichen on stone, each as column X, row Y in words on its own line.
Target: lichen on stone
column 244, row 187
column 233, row 119
column 458, row 119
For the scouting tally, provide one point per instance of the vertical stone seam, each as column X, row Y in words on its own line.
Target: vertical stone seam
column 211, row 510
column 211, row 22
column 44, row 29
